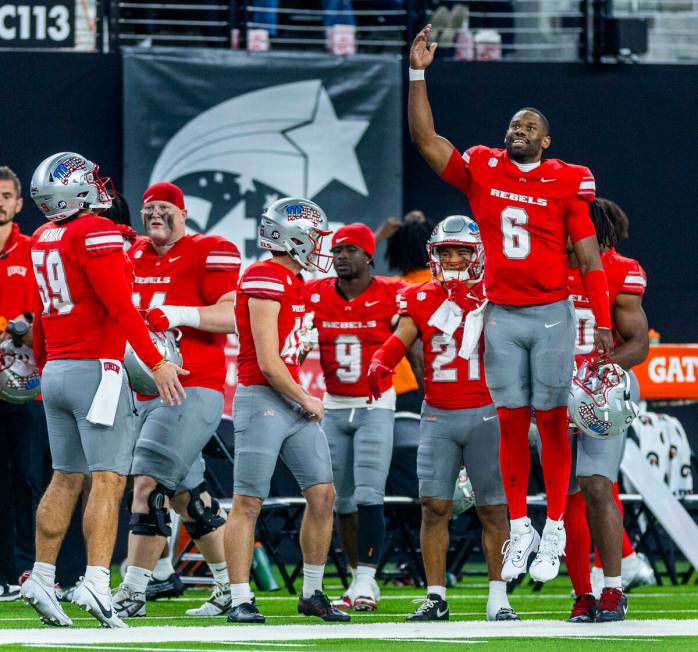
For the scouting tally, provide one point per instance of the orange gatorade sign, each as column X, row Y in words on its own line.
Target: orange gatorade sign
column 669, row 372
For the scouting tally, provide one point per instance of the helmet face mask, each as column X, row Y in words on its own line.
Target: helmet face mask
column 599, row 401
column 457, row 231
column 64, row 184
column 296, row 227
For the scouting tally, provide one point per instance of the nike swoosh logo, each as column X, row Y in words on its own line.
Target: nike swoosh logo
column 105, row 613
column 440, row 613
column 343, row 239
column 175, row 258
column 488, row 418
column 555, row 323
column 543, row 180
column 371, row 303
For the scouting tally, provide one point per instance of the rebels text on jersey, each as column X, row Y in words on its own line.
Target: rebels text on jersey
column 85, row 293
column 625, row 276
column 350, row 332
column 524, row 220
column 450, row 382
column 196, row 271
column 269, row 280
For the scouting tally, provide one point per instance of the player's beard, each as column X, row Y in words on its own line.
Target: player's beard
column 529, row 154
column 4, row 219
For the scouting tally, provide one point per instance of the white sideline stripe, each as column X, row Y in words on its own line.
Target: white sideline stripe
column 383, row 631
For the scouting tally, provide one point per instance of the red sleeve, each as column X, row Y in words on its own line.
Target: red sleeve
column 586, row 187
column 107, row 274
column 263, row 283
column 457, row 171
column 579, row 224
column 635, row 280
column 221, row 270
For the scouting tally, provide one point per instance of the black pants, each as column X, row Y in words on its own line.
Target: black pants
column 23, row 444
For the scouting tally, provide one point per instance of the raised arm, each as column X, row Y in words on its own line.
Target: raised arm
column 435, row 149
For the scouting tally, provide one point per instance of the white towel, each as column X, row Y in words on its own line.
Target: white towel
column 106, row 399
column 472, row 330
column 447, row 317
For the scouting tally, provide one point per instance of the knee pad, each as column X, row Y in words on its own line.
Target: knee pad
column 156, row 523
column 206, row 519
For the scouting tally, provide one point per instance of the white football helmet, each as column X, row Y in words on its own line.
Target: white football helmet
column 139, row 375
column 66, row 183
column 19, row 376
column 457, row 231
column 296, row 227
column 599, row 400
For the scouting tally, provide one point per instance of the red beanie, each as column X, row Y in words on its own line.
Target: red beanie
column 164, row 191
column 356, row 234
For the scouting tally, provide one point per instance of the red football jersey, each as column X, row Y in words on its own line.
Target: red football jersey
column 196, row 271
column 450, row 382
column 350, row 332
column 268, row 279
column 625, row 276
column 80, row 270
column 17, row 284
column 524, row 220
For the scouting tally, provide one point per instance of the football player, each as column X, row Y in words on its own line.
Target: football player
column 81, row 326
column 598, row 460
column 273, row 415
column 354, row 314
column 184, row 282
column 459, row 421
column 525, row 208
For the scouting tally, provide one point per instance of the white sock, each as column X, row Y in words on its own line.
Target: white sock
column 46, row 573
column 163, row 568
column 439, row 590
column 520, row 525
column 312, row 579
column 630, row 559
column 219, row 572
column 137, row 578
column 612, row 582
column 364, row 575
column 99, row 577
column 551, row 525
column 497, row 598
column 240, row 593
column 353, row 573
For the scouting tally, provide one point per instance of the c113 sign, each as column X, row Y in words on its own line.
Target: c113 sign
column 37, row 24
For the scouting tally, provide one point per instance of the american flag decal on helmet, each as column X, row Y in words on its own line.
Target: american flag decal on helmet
column 66, row 167
column 586, row 411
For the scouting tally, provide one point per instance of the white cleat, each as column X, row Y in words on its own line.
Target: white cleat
column 43, row 599
column 99, row 604
column 217, row 605
column 128, row 603
column 636, row 570
column 546, row 564
column 516, row 552
column 346, row 601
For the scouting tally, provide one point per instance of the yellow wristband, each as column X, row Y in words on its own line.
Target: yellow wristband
column 159, row 364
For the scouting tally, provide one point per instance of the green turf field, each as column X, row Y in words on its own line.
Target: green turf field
column 467, row 603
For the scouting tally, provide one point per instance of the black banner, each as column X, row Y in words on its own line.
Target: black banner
column 236, row 131
column 37, row 24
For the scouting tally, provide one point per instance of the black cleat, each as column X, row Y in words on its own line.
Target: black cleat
column 172, row 587
column 432, row 608
column 246, row 612
column 584, row 609
column 613, row 605
column 319, row 605
column 506, row 613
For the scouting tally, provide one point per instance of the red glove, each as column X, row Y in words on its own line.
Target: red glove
column 166, row 317
column 157, row 320
column 377, row 371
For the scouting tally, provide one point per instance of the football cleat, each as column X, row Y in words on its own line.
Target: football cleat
column 88, row 597
column 636, row 570
column 44, row 600
column 345, row 602
column 171, row 587
column 246, row 612
column 128, row 603
column 584, row 609
column 546, row 564
column 319, row 605
column 367, row 596
column 432, row 608
column 504, row 613
column 365, row 603
column 217, row 605
column 517, row 551
column 613, row 606
column 9, row 592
